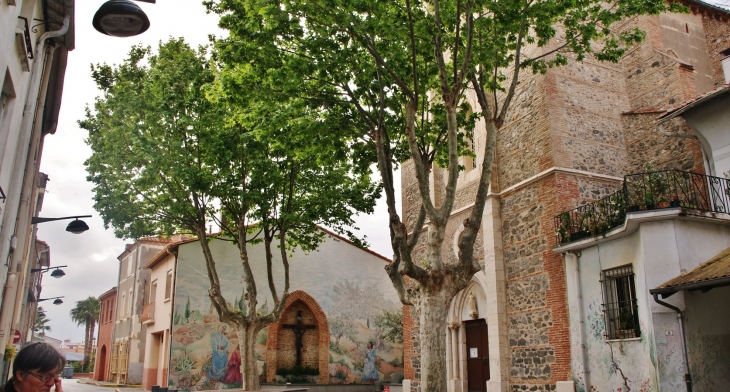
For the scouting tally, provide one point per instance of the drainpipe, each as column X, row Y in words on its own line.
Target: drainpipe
column 24, row 144
column 581, row 317
column 687, row 376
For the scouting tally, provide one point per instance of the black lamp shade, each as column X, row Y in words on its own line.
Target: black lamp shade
column 77, row 227
column 120, row 18
column 57, row 273
column 58, row 301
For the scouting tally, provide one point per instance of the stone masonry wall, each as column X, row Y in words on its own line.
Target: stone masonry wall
column 658, row 80
column 590, row 117
column 521, row 141
column 717, row 36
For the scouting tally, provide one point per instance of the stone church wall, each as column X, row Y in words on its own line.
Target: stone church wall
column 717, row 30
column 570, row 138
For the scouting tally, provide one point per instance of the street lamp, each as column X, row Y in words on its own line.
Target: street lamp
column 56, row 302
column 57, row 273
column 76, row 226
column 121, row 18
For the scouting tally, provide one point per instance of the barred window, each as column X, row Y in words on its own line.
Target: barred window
column 619, row 303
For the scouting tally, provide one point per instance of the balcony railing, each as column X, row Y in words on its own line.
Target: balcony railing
column 641, row 192
column 148, row 314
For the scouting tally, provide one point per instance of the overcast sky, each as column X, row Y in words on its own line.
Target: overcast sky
column 91, row 256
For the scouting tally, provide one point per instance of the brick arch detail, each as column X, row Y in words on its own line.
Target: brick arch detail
column 272, row 338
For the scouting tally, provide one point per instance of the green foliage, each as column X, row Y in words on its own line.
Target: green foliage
column 396, row 362
column 9, row 352
column 87, row 312
column 184, row 364
column 391, row 324
column 262, row 337
column 187, row 309
column 173, row 148
column 40, row 324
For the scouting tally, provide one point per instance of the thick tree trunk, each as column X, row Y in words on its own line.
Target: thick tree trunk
column 432, row 330
column 87, row 345
column 249, row 370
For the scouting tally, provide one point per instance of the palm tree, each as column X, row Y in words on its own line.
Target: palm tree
column 86, row 312
column 40, row 325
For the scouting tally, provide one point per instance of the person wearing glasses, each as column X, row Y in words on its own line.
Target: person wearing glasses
column 36, row 368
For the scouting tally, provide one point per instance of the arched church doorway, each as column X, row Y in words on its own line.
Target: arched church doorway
column 299, row 339
column 467, row 342
column 477, row 361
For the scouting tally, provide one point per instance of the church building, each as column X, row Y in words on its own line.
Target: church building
column 574, row 136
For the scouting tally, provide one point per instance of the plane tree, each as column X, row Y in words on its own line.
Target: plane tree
column 399, row 72
column 167, row 159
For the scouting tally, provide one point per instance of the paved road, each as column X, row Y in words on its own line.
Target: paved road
column 72, row 385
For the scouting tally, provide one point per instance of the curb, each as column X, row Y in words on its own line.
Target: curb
column 105, row 384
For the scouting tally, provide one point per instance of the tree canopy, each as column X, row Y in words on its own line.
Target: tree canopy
column 86, row 312
column 40, row 325
column 398, row 73
column 175, row 149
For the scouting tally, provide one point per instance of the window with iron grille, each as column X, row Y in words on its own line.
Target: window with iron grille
column 619, row 303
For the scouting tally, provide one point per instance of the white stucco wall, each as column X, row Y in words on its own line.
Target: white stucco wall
column 658, row 252
column 708, row 333
column 711, row 121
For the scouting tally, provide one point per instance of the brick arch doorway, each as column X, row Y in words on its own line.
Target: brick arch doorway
column 318, row 337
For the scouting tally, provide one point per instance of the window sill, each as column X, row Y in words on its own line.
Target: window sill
column 167, row 300
column 623, row 340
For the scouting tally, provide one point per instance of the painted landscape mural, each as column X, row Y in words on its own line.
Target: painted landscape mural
column 360, row 306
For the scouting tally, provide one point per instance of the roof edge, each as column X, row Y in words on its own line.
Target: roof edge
column 705, row 284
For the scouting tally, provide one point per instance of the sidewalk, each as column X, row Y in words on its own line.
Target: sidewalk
column 127, row 388
column 138, row 388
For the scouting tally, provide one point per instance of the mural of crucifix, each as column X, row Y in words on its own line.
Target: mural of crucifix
column 299, row 329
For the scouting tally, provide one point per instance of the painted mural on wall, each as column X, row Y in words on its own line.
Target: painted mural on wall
column 358, row 299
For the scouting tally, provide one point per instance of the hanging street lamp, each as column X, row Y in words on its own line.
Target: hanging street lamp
column 76, row 226
column 121, row 18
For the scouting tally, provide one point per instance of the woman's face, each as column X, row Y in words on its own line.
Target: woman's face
column 370, row 345
column 34, row 381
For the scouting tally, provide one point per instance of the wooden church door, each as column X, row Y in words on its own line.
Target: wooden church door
column 477, row 355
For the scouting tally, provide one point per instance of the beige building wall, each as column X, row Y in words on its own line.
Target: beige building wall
column 157, row 316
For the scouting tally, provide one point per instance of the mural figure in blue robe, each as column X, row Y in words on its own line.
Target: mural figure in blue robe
column 219, row 363
column 369, row 373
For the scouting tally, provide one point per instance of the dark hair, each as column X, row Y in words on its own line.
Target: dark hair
column 38, row 356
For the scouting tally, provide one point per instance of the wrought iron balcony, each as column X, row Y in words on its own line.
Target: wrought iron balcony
column 641, row 192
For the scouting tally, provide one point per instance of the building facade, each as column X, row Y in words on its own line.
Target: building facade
column 157, row 316
column 128, row 352
column 32, row 67
column 573, row 134
column 105, row 341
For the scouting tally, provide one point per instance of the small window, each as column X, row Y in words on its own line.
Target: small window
column 619, row 303
column 168, row 285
